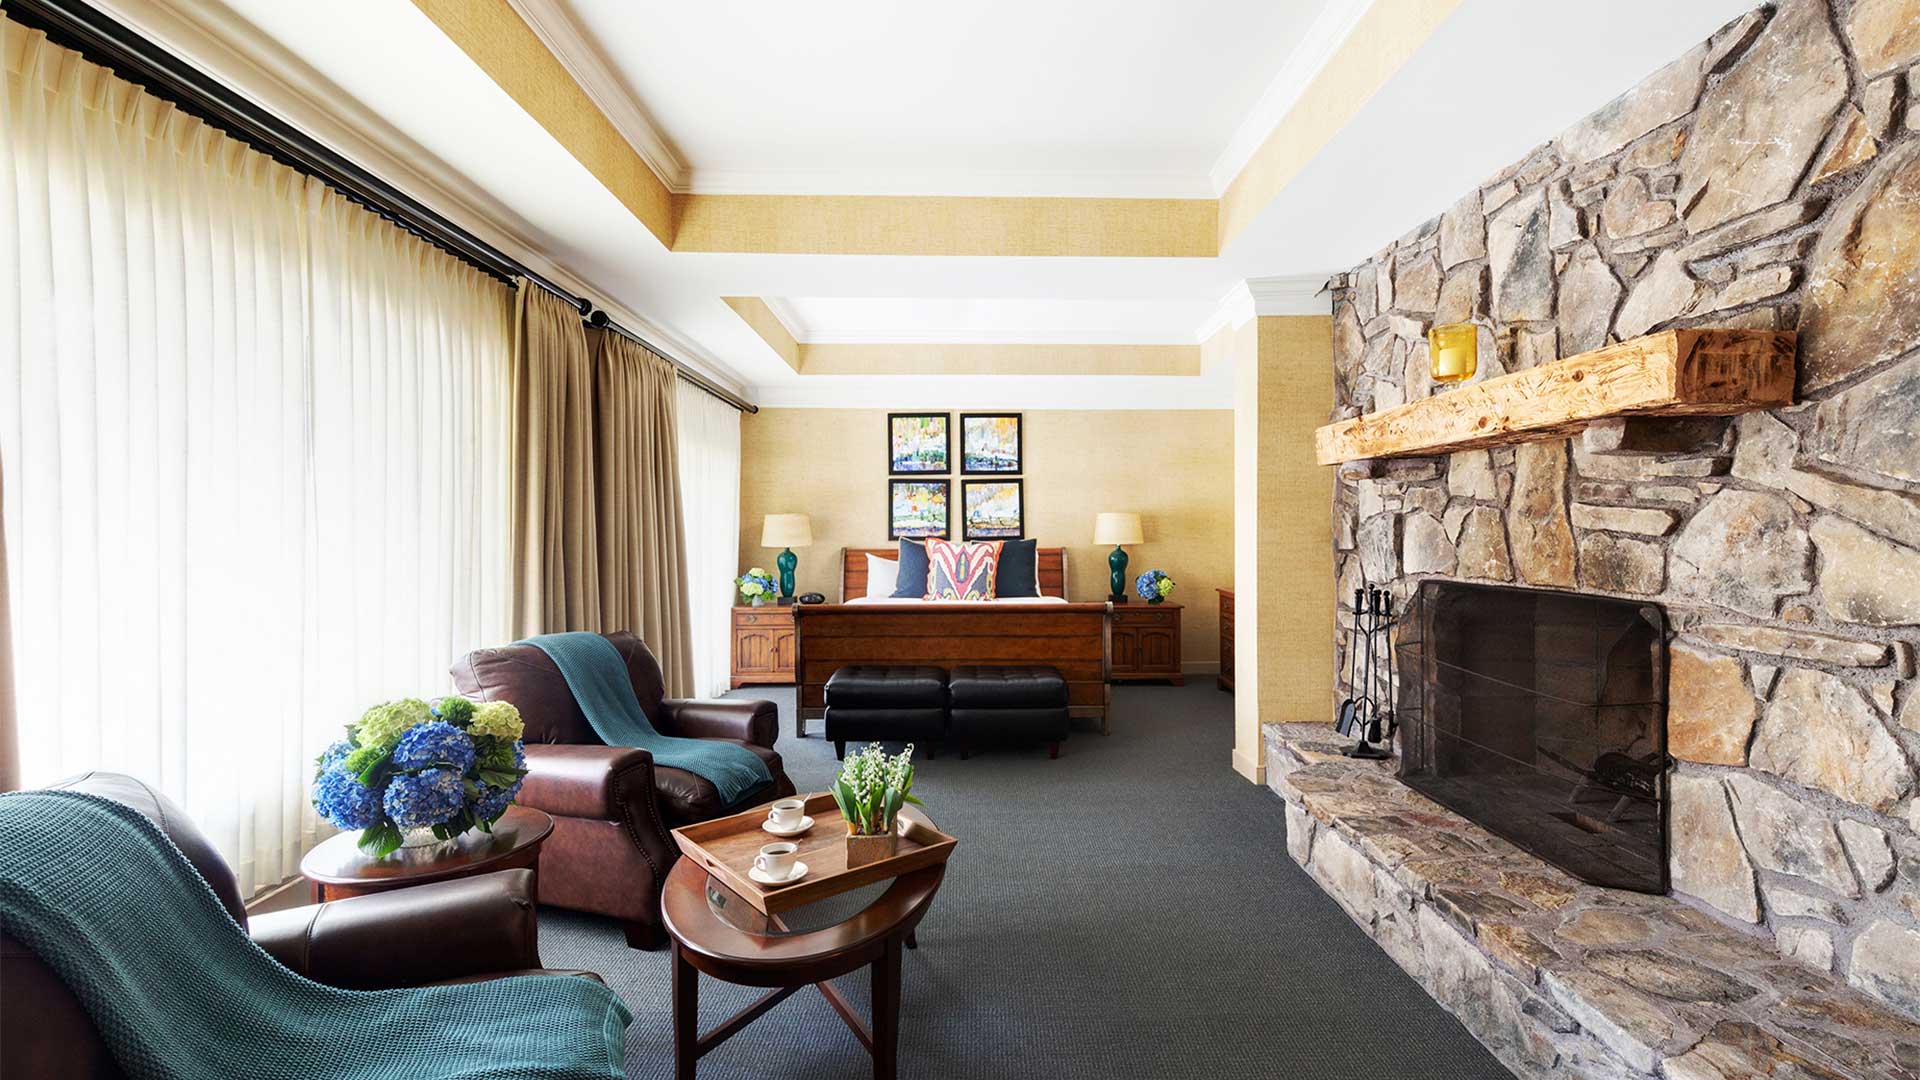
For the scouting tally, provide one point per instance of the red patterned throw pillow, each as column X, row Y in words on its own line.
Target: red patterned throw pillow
column 962, row 571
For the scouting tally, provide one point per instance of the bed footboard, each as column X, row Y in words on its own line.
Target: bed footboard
column 1070, row 637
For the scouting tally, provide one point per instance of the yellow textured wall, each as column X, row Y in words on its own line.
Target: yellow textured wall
column 1283, row 525
column 1173, row 468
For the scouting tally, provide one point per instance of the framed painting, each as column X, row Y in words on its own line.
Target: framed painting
column 992, row 510
column 918, row 443
column 989, row 443
column 918, row 508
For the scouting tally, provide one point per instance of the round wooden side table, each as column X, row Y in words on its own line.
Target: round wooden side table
column 715, row 931
column 337, row 868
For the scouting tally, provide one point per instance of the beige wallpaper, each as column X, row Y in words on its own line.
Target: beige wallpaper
column 1175, row 469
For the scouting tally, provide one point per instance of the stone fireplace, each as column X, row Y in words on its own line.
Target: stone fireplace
column 1541, row 716
column 1768, row 179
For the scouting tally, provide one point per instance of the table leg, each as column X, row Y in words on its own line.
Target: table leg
column 686, row 1016
column 886, row 1010
column 913, row 939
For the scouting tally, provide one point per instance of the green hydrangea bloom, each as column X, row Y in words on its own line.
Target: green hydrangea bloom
column 497, row 718
column 359, row 761
column 497, row 754
column 457, row 711
column 383, row 725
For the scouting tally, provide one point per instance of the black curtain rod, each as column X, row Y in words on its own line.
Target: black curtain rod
column 103, row 40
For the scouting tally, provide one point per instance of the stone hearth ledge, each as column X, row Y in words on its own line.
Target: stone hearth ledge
column 1556, row 977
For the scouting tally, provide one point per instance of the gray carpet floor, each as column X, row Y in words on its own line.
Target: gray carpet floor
column 1126, row 911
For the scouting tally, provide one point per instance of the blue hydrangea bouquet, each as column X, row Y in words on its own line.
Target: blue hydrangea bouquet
column 1153, row 586
column 756, row 587
column 408, row 771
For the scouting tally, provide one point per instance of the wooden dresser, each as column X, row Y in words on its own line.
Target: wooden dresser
column 1146, row 643
column 762, row 645
column 1226, row 640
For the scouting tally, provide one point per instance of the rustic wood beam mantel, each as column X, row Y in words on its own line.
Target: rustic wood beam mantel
column 1701, row 372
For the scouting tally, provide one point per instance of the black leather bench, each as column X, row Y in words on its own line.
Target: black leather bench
column 1007, row 702
column 887, row 704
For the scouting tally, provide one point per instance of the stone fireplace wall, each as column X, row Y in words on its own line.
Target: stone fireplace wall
column 1769, row 178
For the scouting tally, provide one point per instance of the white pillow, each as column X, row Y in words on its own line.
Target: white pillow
column 883, row 575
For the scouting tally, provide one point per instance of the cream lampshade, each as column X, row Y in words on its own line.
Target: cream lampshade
column 787, row 531
column 1118, row 529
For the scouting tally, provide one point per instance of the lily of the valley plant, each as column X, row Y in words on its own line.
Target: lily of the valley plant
column 872, row 787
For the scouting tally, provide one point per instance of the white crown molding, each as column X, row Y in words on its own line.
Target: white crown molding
column 1292, row 294
column 1328, row 31
column 232, row 51
column 962, row 335
column 1012, row 183
column 570, row 45
column 789, row 318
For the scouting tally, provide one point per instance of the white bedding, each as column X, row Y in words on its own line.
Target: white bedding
column 950, row 603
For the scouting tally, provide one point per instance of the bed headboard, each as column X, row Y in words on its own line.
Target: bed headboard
column 853, row 570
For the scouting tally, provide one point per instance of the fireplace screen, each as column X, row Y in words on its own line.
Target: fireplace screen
column 1542, row 716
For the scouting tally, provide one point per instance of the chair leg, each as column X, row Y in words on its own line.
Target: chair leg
column 1053, row 751
column 933, row 750
column 966, row 749
column 645, row 936
column 840, row 749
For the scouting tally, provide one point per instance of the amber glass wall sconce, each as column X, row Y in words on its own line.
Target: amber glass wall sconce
column 1454, row 352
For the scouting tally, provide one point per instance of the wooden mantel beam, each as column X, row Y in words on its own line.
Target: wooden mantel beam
column 1701, row 372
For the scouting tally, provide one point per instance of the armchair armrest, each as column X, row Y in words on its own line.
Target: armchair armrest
column 409, row 937
column 576, row 780
column 757, row 722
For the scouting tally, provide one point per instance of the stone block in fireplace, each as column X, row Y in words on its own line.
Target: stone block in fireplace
column 1541, row 716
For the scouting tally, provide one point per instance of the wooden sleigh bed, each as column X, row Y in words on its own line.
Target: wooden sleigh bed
column 1069, row 636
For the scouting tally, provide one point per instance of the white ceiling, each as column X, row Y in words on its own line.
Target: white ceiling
column 379, row 80
column 1069, row 97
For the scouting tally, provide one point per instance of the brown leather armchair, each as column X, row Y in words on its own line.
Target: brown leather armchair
column 612, row 807
column 448, row 932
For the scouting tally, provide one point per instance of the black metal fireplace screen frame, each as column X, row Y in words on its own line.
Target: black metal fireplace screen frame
column 1541, row 715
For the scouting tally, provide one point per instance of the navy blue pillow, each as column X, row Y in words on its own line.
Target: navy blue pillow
column 1019, row 573
column 911, row 583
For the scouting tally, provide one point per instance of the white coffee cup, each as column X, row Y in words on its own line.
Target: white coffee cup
column 787, row 813
column 776, row 860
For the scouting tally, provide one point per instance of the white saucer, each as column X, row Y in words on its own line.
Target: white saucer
column 799, row 871
column 806, row 822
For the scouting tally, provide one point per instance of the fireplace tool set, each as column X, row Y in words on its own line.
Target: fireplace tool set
column 1363, row 716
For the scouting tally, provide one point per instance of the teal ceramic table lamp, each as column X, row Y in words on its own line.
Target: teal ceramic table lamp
column 787, row 531
column 1118, row 529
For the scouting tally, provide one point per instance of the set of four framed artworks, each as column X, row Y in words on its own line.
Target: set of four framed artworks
column 919, row 504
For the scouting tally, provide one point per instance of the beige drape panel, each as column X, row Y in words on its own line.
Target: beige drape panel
column 556, row 569
column 643, row 566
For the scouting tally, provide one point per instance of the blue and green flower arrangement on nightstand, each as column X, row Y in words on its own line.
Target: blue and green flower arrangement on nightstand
column 1153, row 586
column 756, row 587
column 410, row 774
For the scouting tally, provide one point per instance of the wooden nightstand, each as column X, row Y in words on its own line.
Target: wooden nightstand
column 762, row 645
column 1225, row 681
column 1146, row 643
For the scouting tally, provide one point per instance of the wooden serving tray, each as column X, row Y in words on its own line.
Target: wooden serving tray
column 726, row 847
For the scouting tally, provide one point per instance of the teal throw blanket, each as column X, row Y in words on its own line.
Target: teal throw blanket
column 597, row 676
column 178, row 990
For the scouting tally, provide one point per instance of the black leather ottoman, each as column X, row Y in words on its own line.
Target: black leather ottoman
column 887, row 704
column 1007, row 701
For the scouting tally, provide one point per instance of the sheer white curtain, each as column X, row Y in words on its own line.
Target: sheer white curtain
column 255, row 446
column 710, row 508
